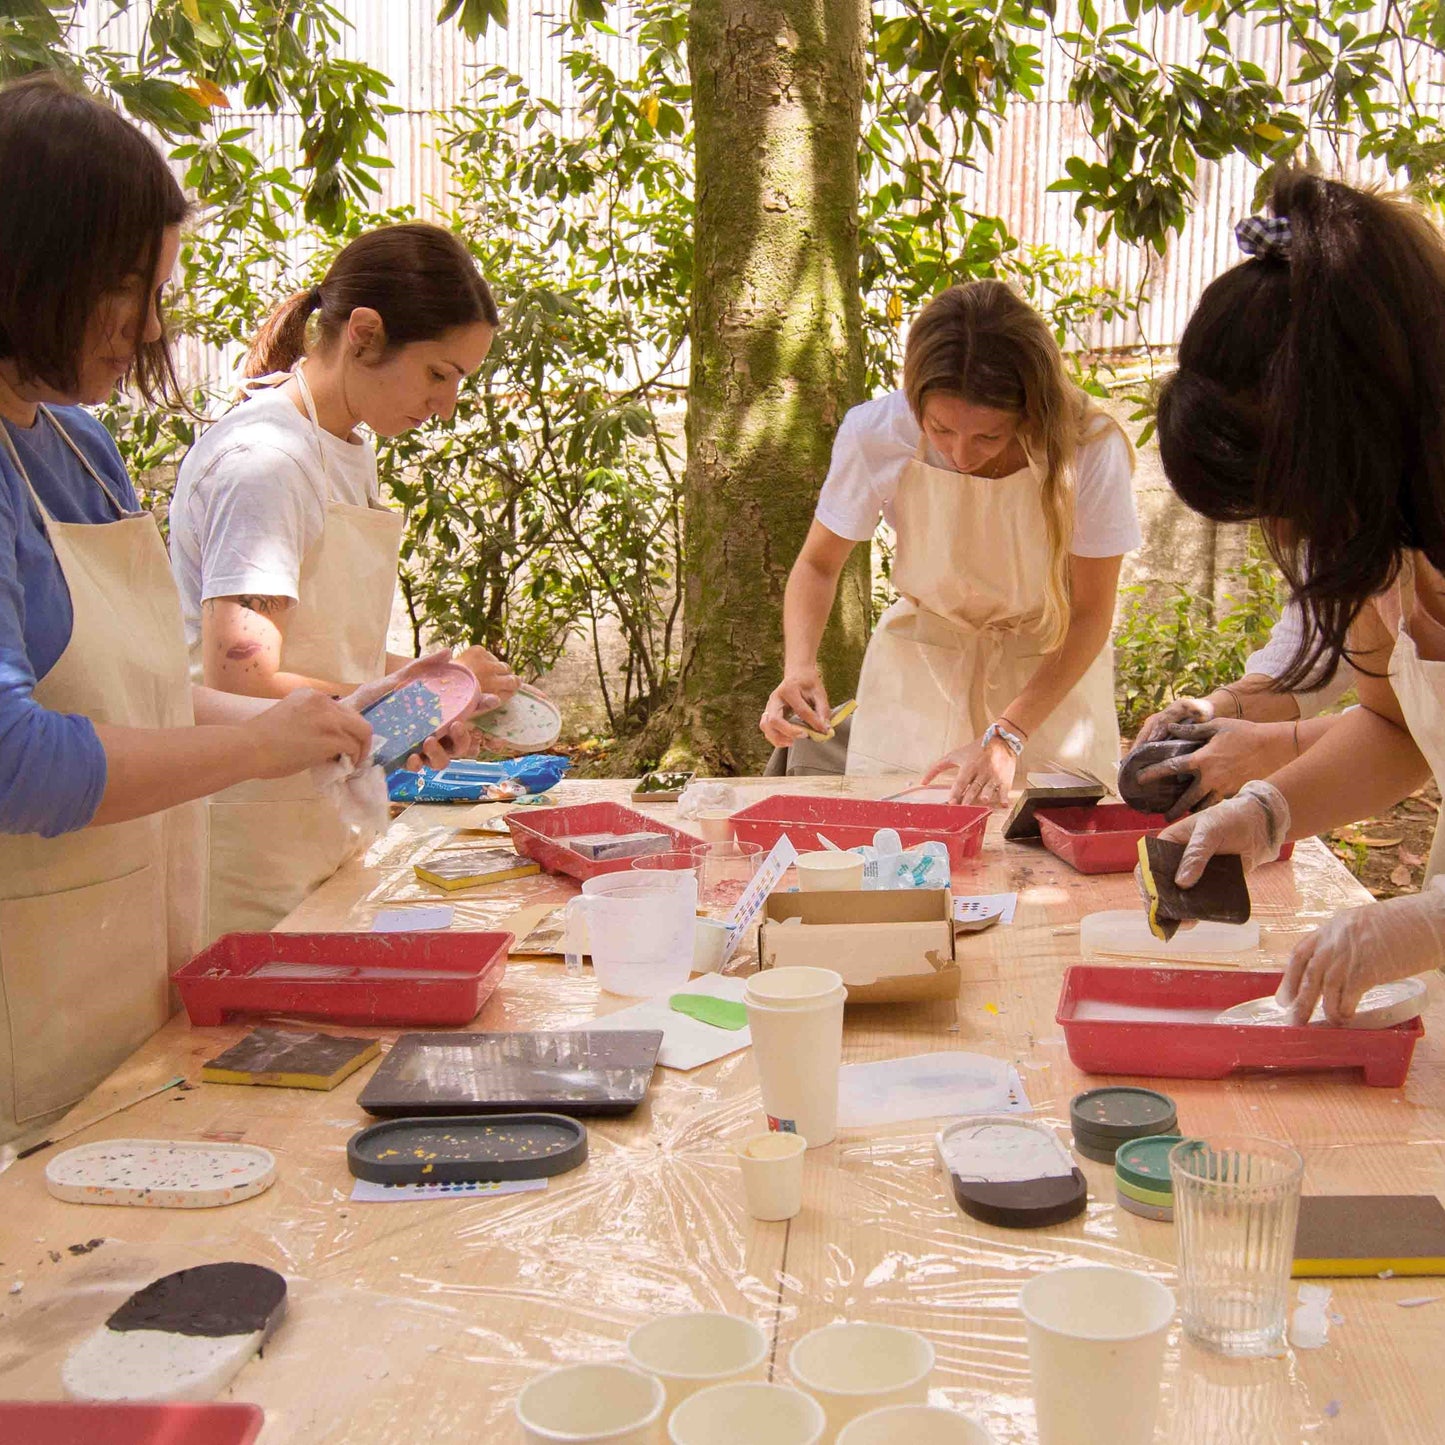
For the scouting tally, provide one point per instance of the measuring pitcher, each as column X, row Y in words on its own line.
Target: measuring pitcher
column 639, row 928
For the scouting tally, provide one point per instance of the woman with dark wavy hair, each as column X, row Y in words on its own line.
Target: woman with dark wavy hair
column 1310, row 396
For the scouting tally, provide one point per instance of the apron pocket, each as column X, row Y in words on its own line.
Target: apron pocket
column 85, row 984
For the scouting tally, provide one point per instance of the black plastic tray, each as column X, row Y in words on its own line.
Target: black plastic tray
column 467, row 1149
column 571, row 1072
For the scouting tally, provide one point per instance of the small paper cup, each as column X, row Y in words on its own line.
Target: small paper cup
column 592, row 1405
column 829, row 872
column 772, row 1166
column 747, row 1414
column 709, row 945
column 1096, row 1353
column 716, row 825
column 689, row 1353
column 914, row 1425
column 800, row 988
column 851, row 1369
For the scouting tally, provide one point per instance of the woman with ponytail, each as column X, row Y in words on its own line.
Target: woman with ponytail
column 1012, row 501
column 1310, row 396
column 286, row 559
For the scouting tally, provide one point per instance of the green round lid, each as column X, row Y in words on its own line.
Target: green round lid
column 1121, row 1113
column 1144, row 1163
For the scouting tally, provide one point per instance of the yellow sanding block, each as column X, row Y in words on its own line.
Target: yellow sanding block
column 290, row 1059
column 839, row 713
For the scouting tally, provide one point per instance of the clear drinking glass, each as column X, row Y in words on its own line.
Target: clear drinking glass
column 1236, row 1201
column 726, row 871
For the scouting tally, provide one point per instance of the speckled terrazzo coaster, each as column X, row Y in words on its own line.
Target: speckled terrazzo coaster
column 160, row 1173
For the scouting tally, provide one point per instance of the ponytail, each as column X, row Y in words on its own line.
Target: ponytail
column 1311, row 395
column 281, row 341
column 420, row 279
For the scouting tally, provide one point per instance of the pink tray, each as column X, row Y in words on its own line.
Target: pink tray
column 1100, row 839
column 463, row 970
column 1200, row 1050
column 537, row 834
column 850, row 822
column 65, row 1423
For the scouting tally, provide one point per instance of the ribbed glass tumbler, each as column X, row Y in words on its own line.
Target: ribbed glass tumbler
column 1236, row 1202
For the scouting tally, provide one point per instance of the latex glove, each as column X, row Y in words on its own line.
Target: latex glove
column 1234, row 753
column 1363, row 948
column 801, row 693
column 1254, row 825
column 985, row 774
column 1182, row 710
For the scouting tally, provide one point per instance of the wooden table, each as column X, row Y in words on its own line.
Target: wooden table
column 421, row 1321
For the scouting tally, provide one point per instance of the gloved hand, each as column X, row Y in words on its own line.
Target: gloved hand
column 1182, row 710
column 1363, row 948
column 1253, row 824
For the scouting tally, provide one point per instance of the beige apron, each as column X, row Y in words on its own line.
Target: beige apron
column 1419, row 685
column 92, row 923
column 957, row 647
column 274, row 841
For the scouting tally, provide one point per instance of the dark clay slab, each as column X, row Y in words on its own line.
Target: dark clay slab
column 211, row 1300
column 469, row 1148
column 1024, row 1204
column 1023, row 823
column 1160, row 795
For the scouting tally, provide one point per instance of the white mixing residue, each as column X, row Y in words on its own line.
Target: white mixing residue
column 1096, row 1010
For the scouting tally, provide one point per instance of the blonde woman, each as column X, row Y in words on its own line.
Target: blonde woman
column 1012, row 501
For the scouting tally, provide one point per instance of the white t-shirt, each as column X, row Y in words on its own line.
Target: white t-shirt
column 251, row 499
column 1274, row 658
column 879, row 438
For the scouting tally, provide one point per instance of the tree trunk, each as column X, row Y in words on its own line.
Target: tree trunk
column 777, row 351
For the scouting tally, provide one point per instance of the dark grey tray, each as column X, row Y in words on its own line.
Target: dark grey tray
column 467, row 1148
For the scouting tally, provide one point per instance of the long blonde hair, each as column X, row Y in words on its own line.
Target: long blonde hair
column 982, row 343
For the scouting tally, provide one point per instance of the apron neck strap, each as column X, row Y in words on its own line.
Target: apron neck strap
column 309, row 402
column 44, row 511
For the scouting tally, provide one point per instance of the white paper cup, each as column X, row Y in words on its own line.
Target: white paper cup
column 914, row 1425
column 797, row 1050
column 592, row 1405
column 689, row 1353
column 851, row 1369
column 709, row 945
column 747, row 1414
column 716, row 825
column 829, row 872
column 1096, row 1353
column 772, row 1166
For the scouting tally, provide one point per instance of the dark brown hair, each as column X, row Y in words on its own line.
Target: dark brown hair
column 85, row 200
column 421, row 280
column 1310, row 394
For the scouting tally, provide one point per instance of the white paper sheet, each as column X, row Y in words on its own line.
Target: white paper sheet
column 413, row 920
column 1009, row 902
column 928, row 1086
column 687, row 1043
column 363, row 1191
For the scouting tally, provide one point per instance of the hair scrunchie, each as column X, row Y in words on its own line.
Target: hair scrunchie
column 1264, row 237
column 313, row 299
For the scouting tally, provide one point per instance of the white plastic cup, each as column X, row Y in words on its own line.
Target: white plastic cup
column 747, row 1414
column 829, row 872
column 689, row 1353
column 1096, row 1353
column 795, row 1016
column 914, row 1425
column 641, row 937
column 852, row 1369
column 592, row 1405
column 772, row 1167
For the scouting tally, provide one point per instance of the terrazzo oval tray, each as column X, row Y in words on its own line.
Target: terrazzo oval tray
column 160, row 1173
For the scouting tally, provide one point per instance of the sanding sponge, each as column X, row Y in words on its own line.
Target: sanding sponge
column 290, row 1059
column 1220, row 896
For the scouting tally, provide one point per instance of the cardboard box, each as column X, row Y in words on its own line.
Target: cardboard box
column 890, row 946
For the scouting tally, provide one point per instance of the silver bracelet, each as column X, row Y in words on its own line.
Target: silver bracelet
column 1012, row 741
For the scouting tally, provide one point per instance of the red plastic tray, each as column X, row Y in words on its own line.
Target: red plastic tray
column 218, row 981
column 1202, row 1050
column 537, row 833
column 850, row 822
column 67, row 1423
column 1100, row 839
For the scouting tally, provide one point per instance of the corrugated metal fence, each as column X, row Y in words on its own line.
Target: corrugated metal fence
column 432, row 67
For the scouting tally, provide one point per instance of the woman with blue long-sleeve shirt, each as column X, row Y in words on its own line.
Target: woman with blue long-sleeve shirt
column 103, row 742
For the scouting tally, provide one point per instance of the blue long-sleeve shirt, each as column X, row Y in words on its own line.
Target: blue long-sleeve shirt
column 52, row 765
